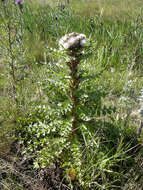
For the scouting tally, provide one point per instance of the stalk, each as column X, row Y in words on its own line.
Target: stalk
column 74, row 85
column 73, row 44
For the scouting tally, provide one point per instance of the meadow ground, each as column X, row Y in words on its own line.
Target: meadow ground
column 37, row 150
column 108, row 8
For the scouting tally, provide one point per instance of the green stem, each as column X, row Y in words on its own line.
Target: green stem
column 74, row 85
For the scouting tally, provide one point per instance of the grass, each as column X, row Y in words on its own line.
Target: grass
column 107, row 8
column 108, row 154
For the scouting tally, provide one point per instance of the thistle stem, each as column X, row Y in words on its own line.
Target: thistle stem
column 74, row 85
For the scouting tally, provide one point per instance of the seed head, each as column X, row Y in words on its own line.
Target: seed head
column 72, row 41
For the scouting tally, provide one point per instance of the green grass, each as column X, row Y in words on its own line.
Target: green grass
column 108, row 154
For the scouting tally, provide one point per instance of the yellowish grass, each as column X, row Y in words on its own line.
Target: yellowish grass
column 110, row 8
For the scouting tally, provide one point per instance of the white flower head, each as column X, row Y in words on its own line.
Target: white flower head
column 72, row 41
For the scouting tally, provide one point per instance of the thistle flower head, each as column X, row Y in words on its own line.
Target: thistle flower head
column 72, row 41
column 18, row 1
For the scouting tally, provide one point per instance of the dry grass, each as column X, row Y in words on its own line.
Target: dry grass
column 109, row 8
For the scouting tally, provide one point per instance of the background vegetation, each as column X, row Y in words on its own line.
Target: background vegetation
column 37, row 148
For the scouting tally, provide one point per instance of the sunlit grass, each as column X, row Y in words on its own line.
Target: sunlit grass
column 108, row 8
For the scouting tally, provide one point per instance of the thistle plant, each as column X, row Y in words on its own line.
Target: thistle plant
column 67, row 130
column 57, row 124
column 19, row 2
column 73, row 44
